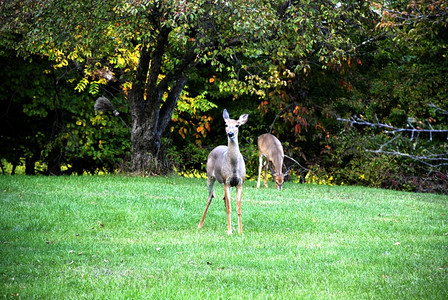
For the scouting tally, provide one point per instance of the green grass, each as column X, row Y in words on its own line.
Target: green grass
column 119, row 238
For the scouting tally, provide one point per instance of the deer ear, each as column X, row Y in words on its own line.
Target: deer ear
column 243, row 119
column 225, row 114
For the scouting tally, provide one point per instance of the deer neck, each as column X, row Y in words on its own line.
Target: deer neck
column 277, row 162
column 233, row 152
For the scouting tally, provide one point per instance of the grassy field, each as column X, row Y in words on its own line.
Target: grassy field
column 120, row 238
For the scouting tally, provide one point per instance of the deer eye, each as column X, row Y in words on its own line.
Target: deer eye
column 237, row 125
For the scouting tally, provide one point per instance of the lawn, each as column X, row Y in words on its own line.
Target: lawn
column 113, row 237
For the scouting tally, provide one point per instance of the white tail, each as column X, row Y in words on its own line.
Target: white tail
column 271, row 148
column 226, row 164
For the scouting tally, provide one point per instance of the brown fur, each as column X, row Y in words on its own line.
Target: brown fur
column 225, row 164
column 271, row 148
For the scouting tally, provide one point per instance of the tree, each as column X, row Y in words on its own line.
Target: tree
column 48, row 126
column 152, row 47
column 399, row 98
column 320, row 43
column 155, row 44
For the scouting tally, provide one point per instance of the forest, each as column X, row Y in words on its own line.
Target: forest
column 356, row 91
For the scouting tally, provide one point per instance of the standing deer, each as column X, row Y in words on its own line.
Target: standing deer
column 271, row 148
column 226, row 164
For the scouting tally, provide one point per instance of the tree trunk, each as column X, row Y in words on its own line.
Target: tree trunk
column 30, row 163
column 145, row 147
column 144, row 144
column 150, row 117
column 147, row 156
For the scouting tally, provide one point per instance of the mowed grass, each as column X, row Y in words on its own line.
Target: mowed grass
column 121, row 238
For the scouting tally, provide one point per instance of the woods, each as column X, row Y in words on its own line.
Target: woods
column 170, row 67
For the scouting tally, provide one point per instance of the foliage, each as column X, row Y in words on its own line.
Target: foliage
column 294, row 66
column 190, row 115
column 399, row 83
column 190, row 158
column 420, row 25
column 255, row 45
column 96, row 144
column 121, row 237
column 317, row 49
column 56, row 126
column 350, row 162
column 24, row 119
column 409, row 64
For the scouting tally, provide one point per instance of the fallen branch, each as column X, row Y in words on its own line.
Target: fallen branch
column 422, row 159
column 302, row 167
column 393, row 129
column 431, row 160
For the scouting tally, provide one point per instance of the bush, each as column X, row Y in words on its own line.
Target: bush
column 350, row 163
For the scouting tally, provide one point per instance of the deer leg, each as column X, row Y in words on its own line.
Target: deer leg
column 224, row 199
column 228, row 208
column 239, row 194
column 260, row 159
column 210, row 184
column 266, row 174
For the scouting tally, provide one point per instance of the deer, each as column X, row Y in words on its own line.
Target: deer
column 270, row 147
column 225, row 164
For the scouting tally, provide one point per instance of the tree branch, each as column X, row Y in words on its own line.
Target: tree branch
column 430, row 159
column 391, row 129
column 138, row 88
column 168, row 107
column 422, row 159
column 154, row 93
column 183, row 65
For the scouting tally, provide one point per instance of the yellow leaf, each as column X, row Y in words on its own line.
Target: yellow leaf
column 181, row 133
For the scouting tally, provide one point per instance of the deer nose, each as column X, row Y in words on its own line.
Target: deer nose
column 230, row 134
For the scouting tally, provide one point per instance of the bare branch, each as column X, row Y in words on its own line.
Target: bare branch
column 426, row 158
column 392, row 129
column 292, row 159
column 438, row 109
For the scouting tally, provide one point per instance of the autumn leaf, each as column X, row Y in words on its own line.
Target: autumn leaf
column 182, row 132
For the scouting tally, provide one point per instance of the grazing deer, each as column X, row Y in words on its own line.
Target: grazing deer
column 271, row 148
column 226, row 164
